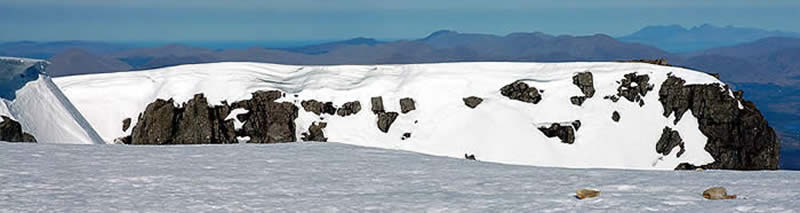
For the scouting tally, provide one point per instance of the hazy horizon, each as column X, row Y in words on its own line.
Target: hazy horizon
column 304, row 20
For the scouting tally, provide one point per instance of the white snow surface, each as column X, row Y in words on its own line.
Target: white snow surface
column 40, row 107
column 332, row 177
column 498, row 130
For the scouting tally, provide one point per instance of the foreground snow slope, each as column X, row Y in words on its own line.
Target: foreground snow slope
column 28, row 96
column 499, row 130
column 327, row 177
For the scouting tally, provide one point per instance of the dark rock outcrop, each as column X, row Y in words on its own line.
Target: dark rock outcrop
column 195, row 122
column 349, row 108
column 669, row 140
column 634, row 87
column 377, row 104
column 472, row 101
column 156, row 124
column 565, row 133
column 585, row 82
column 737, row 138
column 126, row 124
column 318, row 108
column 407, row 105
column 268, row 121
column 615, row 116
column 385, row 120
column 11, row 131
column 522, row 92
column 315, row 132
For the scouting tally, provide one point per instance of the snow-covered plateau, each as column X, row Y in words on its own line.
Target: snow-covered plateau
column 600, row 114
column 331, row 177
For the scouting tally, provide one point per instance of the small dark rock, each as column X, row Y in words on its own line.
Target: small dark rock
column 377, row 104
column 522, row 92
column 613, row 98
column 577, row 100
column 126, row 124
column 565, row 133
column 472, row 101
column 406, row 136
column 385, row 120
column 615, row 116
column 469, row 156
column 576, row 124
column 407, row 105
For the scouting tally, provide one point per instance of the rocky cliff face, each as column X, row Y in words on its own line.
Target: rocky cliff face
column 195, row 122
column 192, row 123
column 738, row 138
column 268, row 121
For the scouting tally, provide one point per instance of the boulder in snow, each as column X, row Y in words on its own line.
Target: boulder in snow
column 717, row 193
column 586, row 193
column 377, row 104
column 522, row 92
column 407, row 105
column 349, row 108
column 385, row 120
column 472, row 101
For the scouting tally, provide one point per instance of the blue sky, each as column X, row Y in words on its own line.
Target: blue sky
column 251, row 20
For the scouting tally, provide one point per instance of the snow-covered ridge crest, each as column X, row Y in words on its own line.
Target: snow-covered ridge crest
column 499, row 129
column 28, row 96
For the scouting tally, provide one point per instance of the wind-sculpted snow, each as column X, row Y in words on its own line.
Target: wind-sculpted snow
column 330, row 177
column 501, row 129
column 28, row 96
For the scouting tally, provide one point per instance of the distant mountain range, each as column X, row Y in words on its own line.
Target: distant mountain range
column 675, row 38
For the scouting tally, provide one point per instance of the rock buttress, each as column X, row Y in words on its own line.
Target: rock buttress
column 737, row 138
column 268, row 121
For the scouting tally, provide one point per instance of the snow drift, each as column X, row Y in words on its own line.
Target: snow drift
column 499, row 129
column 28, row 96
